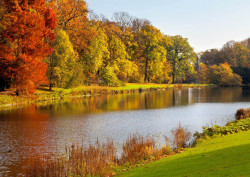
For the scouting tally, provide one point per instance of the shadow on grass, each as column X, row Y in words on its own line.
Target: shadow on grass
column 233, row 161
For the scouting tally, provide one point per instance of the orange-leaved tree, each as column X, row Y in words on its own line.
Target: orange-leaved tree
column 72, row 17
column 25, row 31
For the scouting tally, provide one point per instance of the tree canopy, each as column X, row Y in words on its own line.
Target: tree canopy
column 25, row 30
column 91, row 49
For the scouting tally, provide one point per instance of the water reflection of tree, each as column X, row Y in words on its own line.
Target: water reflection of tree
column 25, row 137
column 227, row 94
column 146, row 100
column 102, row 103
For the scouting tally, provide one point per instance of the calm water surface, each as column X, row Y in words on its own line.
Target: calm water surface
column 46, row 130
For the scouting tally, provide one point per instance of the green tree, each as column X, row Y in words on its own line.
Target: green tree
column 120, row 59
column 98, row 53
column 63, row 61
column 181, row 56
column 241, row 56
column 153, row 53
column 109, row 77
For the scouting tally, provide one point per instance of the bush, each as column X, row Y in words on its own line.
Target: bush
column 181, row 136
column 109, row 77
column 231, row 127
column 242, row 114
column 6, row 99
column 137, row 149
column 166, row 149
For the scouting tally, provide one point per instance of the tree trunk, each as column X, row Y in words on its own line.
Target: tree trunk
column 146, row 72
column 173, row 75
column 173, row 78
column 50, row 87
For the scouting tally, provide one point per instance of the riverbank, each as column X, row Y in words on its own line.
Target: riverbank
column 213, row 154
column 220, row 156
column 43, row 94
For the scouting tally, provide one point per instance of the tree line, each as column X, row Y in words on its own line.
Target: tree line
column 235, row 54
column 60, row 43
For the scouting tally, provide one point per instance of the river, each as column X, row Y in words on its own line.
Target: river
column 47, row 129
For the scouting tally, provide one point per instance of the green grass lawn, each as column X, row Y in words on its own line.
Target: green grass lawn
column 222, row 156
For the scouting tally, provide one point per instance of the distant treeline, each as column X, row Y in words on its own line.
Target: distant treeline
column 236, row 54
column 60, row 43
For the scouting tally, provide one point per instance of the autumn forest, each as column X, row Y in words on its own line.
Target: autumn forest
column 60, row 43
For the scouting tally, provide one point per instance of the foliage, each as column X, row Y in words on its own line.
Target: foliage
column 127, row 69
column 211, row 57
column 98, row 51
column 223, row 75
column 62, row 62
column 244, row 72
column 218, row 74
column 153, row 53
column 231, row 127
column 24, row 32
column 88, row 49
column 72, row 17
column 236, row 54
column 202, row 74
column 181, row 57
column 109, row 77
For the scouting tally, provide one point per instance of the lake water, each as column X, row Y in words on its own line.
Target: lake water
column 46, row 130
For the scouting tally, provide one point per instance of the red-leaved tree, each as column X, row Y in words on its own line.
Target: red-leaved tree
column 25, row 31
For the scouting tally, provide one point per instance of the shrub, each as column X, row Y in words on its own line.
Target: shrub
column 166, row 149
column 109, row 77
column 242, row 114
column 181, row 136
column 5, row 99
column 231, row 127
column 137, row 149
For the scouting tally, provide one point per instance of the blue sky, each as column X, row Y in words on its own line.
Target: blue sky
column 206, row 23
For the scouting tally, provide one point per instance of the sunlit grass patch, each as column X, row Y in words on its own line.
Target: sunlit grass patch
column 221, row 156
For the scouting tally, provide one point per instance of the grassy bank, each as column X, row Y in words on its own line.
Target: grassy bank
column 221, row 156
column 43, row 94
column 212, row 155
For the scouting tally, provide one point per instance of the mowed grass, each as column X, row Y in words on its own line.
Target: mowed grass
column 221, row 156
